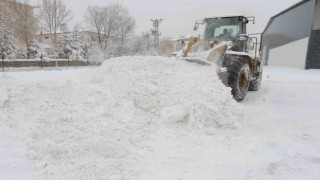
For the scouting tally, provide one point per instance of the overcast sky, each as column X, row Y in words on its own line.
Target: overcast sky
column 179, row 15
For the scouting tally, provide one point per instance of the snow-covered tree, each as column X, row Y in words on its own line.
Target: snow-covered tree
column 142, row 45
column 135, row 45
column 36, row 49
column 95, row 55
column 74, row 46
column 7, row 49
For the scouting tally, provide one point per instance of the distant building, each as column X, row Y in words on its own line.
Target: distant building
column 5, row 11
column 46, row 38
column 7, row 16
column 292, row 37
column 170, row 46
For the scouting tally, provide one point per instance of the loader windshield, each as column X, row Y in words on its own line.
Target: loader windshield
column 223, row 29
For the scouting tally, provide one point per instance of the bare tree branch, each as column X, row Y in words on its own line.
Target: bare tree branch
column 53, row 15
column 112, row 15
column 95, row 17
column 23, row 18
column 125, row 26
column 107, row 21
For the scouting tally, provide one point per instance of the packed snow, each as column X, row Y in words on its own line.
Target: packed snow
column 157, row 118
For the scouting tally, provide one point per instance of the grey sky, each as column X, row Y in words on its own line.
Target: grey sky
column 179, row 15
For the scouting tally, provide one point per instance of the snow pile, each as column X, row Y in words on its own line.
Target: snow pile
column 133, row 118
column 3, row 89
column 172, row 90
column 157, row 118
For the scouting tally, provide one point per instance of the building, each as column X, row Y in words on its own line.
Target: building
column 292, row 37
column 169, row 46
column 13, row 21
column 46, row 38
column 4, row 10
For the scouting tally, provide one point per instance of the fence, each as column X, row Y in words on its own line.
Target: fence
column 18, row 63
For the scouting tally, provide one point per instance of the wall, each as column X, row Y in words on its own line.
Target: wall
column 45, row 38
column 290, row 55
column 313, row 58
column 7, row 14
column 37, row 63
column 286, row 28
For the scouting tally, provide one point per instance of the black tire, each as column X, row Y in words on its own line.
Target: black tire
column 256, row 83
column 239, row 75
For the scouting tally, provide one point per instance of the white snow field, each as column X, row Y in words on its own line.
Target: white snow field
column 157, row 118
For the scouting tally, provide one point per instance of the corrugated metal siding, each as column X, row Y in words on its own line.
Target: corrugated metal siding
column 316, row 22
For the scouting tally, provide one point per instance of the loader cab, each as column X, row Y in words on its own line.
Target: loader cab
column 226, row 28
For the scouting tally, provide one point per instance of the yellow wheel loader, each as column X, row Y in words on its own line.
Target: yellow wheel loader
column 226, row 43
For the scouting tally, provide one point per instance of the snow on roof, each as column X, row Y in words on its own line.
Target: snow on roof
column 43, row 32
column 225, row 15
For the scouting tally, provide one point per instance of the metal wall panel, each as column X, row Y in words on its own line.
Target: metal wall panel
column 316, row 22
column 290, row 26
column 290, row 55
column 313, row 59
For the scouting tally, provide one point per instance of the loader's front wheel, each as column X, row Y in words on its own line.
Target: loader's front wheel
column 239, row 73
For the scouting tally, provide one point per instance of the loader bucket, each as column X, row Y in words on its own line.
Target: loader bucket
column 206, row 53
column 223, row 76
column 217, row 52
column 221, row 72
column 201, row 49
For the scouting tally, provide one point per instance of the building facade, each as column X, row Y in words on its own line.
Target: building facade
column 13, row 21
column 292, row 37
column 47, row 39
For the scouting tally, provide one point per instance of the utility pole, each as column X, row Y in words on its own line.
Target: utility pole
column 155, row 32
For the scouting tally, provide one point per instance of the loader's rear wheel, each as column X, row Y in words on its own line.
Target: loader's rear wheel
column 239, row 73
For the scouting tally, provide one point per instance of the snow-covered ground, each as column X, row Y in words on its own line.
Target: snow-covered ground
column 157, row 118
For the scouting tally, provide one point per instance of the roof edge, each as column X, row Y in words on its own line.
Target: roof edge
column 225, row 15
column 282, row 12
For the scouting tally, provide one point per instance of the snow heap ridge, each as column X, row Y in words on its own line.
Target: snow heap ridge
column 116, row 122
column 171, row 90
